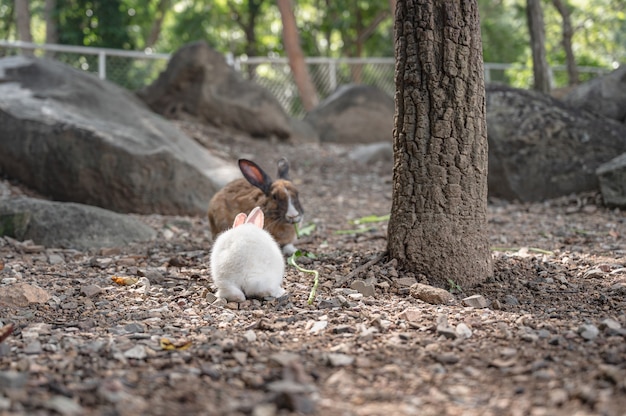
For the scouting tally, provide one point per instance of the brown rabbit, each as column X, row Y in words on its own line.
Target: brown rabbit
column 278, row 199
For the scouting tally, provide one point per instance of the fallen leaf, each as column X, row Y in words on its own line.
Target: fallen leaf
column 124, row 280
column 168, row 345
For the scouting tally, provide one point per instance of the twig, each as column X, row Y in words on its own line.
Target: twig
column 361, row 268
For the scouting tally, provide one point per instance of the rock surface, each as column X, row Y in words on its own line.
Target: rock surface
column 199, row 84
column 354, row 114
column 73, row 137
column 605, row 95
column 612, row 177
column 69, row 225
column 539, row 148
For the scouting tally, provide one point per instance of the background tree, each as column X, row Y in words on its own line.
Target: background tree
column 22, row 23
column 541, row 70
column 438, row 223
column 291, row 39
column 568, row 32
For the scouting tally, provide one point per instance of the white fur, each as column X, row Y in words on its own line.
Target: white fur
column 247, row 262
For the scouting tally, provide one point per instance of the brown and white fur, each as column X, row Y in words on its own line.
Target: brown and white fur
column 278, row 199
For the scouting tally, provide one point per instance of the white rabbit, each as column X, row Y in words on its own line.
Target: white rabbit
column 247, row 261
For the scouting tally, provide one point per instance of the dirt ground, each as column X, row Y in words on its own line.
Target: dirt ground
column 551, row 340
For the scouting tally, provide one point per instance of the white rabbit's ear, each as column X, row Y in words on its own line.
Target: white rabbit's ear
column 239, row 219
column 256, row 217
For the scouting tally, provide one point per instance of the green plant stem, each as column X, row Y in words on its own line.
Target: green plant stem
column 316, row 280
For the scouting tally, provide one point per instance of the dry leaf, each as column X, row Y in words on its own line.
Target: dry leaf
column 5, row 331
column 168, row 345
column 1, row 265
column 124, row 280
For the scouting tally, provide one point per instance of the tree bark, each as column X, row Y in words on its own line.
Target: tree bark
column 541, row 70
column 291, row 40
column 568, row 32
column 22, row 23
column 157, row 24
column 52, row 32
column 438, row 224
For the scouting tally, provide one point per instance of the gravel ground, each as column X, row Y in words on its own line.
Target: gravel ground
column 545, row 336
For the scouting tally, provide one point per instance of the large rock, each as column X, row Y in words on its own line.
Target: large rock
column 604, row 95
column 612, row 177
column 354, row 114
column 69, row 225
column 540, row 148
column 199, row 84
column 73, row 137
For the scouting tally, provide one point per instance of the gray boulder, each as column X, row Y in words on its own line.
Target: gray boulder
column 605, row 95
column 73, row 137
column 69, row 225
column 540, row 148
column 198, row 84
column 612, row 177
column 354, row 114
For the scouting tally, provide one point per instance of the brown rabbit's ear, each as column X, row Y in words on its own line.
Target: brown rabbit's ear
column 255, row 175
column 256, row 217
column 239, row 219
column 283, row 169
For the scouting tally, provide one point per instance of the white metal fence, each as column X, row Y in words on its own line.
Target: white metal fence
column 135, row 69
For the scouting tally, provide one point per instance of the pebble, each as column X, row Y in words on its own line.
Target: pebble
column 463, row 331
column 430, row 294
column 33, row 347
column 12, row 379
column 476, row 301
column 511, row 300
column 250, row 335
column 137, row 352
column 588, row 331
column 366, row 289
column 64, row 406
column 90, row 290
column 318, row 326
column 55, row 259
column 339, row 360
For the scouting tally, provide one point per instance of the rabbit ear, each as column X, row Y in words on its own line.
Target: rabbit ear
column 255, row 175
column 256, row 217
column 283, row 169
column 239, row 219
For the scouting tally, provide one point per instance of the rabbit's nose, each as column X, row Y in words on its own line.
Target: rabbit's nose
column 294, row 218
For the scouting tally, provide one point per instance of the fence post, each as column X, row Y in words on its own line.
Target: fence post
column 332, row 75
column 102, row 65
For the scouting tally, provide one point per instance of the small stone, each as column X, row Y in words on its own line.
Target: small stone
column 363, row 288
column 588, row 331
column 511, row 300
column 443, row 328
column 211, row 298
column 90, row 290
column 430, row 294
column 339, row 360
column 55, row 259
column 463, row 331
column 476, row 301
column 12, row 379
column 610, row 325
column 329, row 303
column 318, row 326
column 64, row 406
column 22, row 294
column 134, row 327
column 241, row 357
column 138, row 352
column 447, row 358
column 344, row 329
column 33, row 347
column 405, row 281
column 284, row 358
column 249, row 335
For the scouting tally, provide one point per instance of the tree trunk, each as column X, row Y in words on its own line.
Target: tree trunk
column 291, row 40
column 50, row 16
column 22, row 23
column 568, row 33
column 157, row 24
column 541, row 70
column 438, row 224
